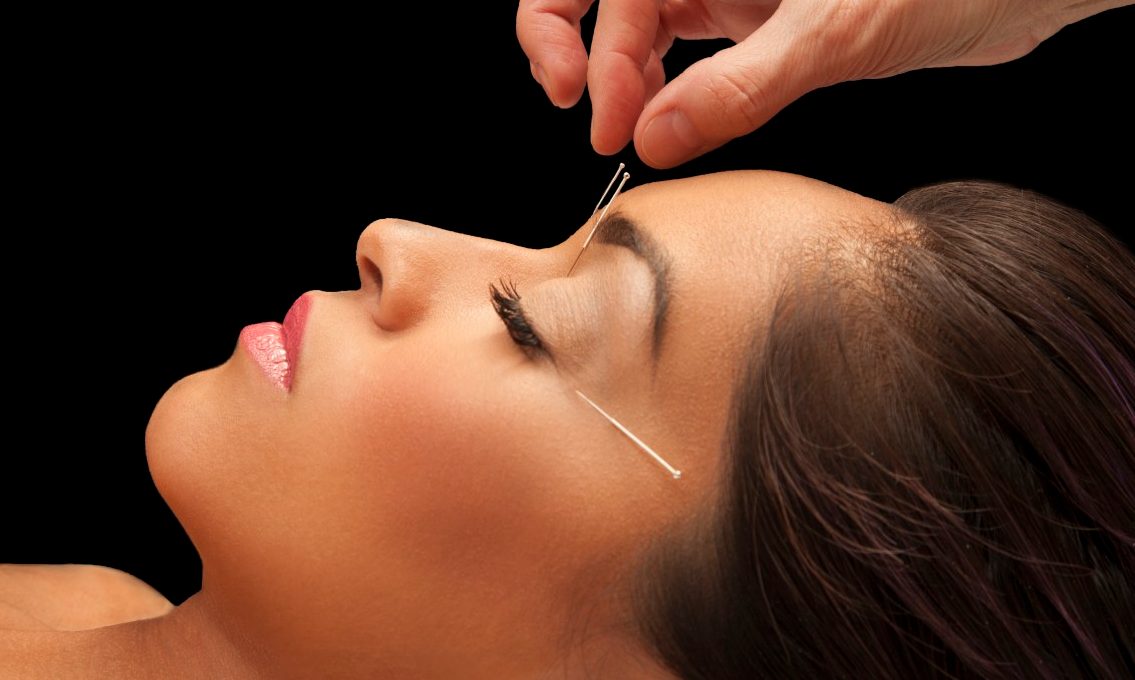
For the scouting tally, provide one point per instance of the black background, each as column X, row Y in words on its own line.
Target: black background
column 186, row 174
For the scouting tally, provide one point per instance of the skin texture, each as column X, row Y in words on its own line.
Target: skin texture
column 783, row 50
column 429, row 502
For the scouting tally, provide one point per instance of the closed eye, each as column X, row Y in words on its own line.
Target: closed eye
column 506, row 302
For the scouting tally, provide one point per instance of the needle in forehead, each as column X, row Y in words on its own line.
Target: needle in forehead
column 626, row 176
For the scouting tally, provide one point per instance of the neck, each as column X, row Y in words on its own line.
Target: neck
column 195, row 641
column 188, row 642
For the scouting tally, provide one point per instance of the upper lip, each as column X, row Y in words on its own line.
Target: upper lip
column 294, row 327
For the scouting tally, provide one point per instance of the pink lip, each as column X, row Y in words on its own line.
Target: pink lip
column 276, row 347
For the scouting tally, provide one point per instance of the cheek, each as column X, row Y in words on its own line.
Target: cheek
column 439, row 455
column 435, row 457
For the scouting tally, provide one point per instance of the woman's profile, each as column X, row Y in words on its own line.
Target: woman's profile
column 906, row 434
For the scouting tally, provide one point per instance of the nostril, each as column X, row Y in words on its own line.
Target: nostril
column 372, row 274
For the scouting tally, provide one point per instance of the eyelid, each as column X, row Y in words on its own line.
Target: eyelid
column 550, row 350
column 575, row 316
column 580, row 317
column 507, row 303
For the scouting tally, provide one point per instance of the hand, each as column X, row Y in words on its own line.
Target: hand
column 783, row 50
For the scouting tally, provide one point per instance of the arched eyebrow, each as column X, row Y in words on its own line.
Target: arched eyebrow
column 619, row 229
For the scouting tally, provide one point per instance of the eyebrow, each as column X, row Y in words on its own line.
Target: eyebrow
column 618, row 229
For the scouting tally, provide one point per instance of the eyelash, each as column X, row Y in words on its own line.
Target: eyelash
column 506, row 302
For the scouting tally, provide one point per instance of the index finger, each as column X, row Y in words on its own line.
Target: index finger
column 548, row 31
column 624, row 38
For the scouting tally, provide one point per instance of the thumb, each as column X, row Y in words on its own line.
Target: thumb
column 729, row 94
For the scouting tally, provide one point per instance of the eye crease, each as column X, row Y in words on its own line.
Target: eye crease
column 506, row 302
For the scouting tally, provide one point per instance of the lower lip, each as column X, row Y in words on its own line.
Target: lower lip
column 276, row 347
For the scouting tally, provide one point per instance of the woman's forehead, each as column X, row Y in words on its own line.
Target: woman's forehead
column 729, row 238
column 743, row 213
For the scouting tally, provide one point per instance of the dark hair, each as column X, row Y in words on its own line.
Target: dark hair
column 931, row 461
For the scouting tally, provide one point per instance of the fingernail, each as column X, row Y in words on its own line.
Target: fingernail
column 542, row 77
column 670, row 139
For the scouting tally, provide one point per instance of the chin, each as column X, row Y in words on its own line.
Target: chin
column 182, row 442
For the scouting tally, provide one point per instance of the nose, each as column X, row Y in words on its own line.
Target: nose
column 410, row 271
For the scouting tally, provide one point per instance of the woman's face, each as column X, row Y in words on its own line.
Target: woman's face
column 426, row 485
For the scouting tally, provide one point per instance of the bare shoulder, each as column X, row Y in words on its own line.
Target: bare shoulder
column 73, row 597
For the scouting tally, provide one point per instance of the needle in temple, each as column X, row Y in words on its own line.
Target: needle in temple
column 676, row 474
column 626, row 176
